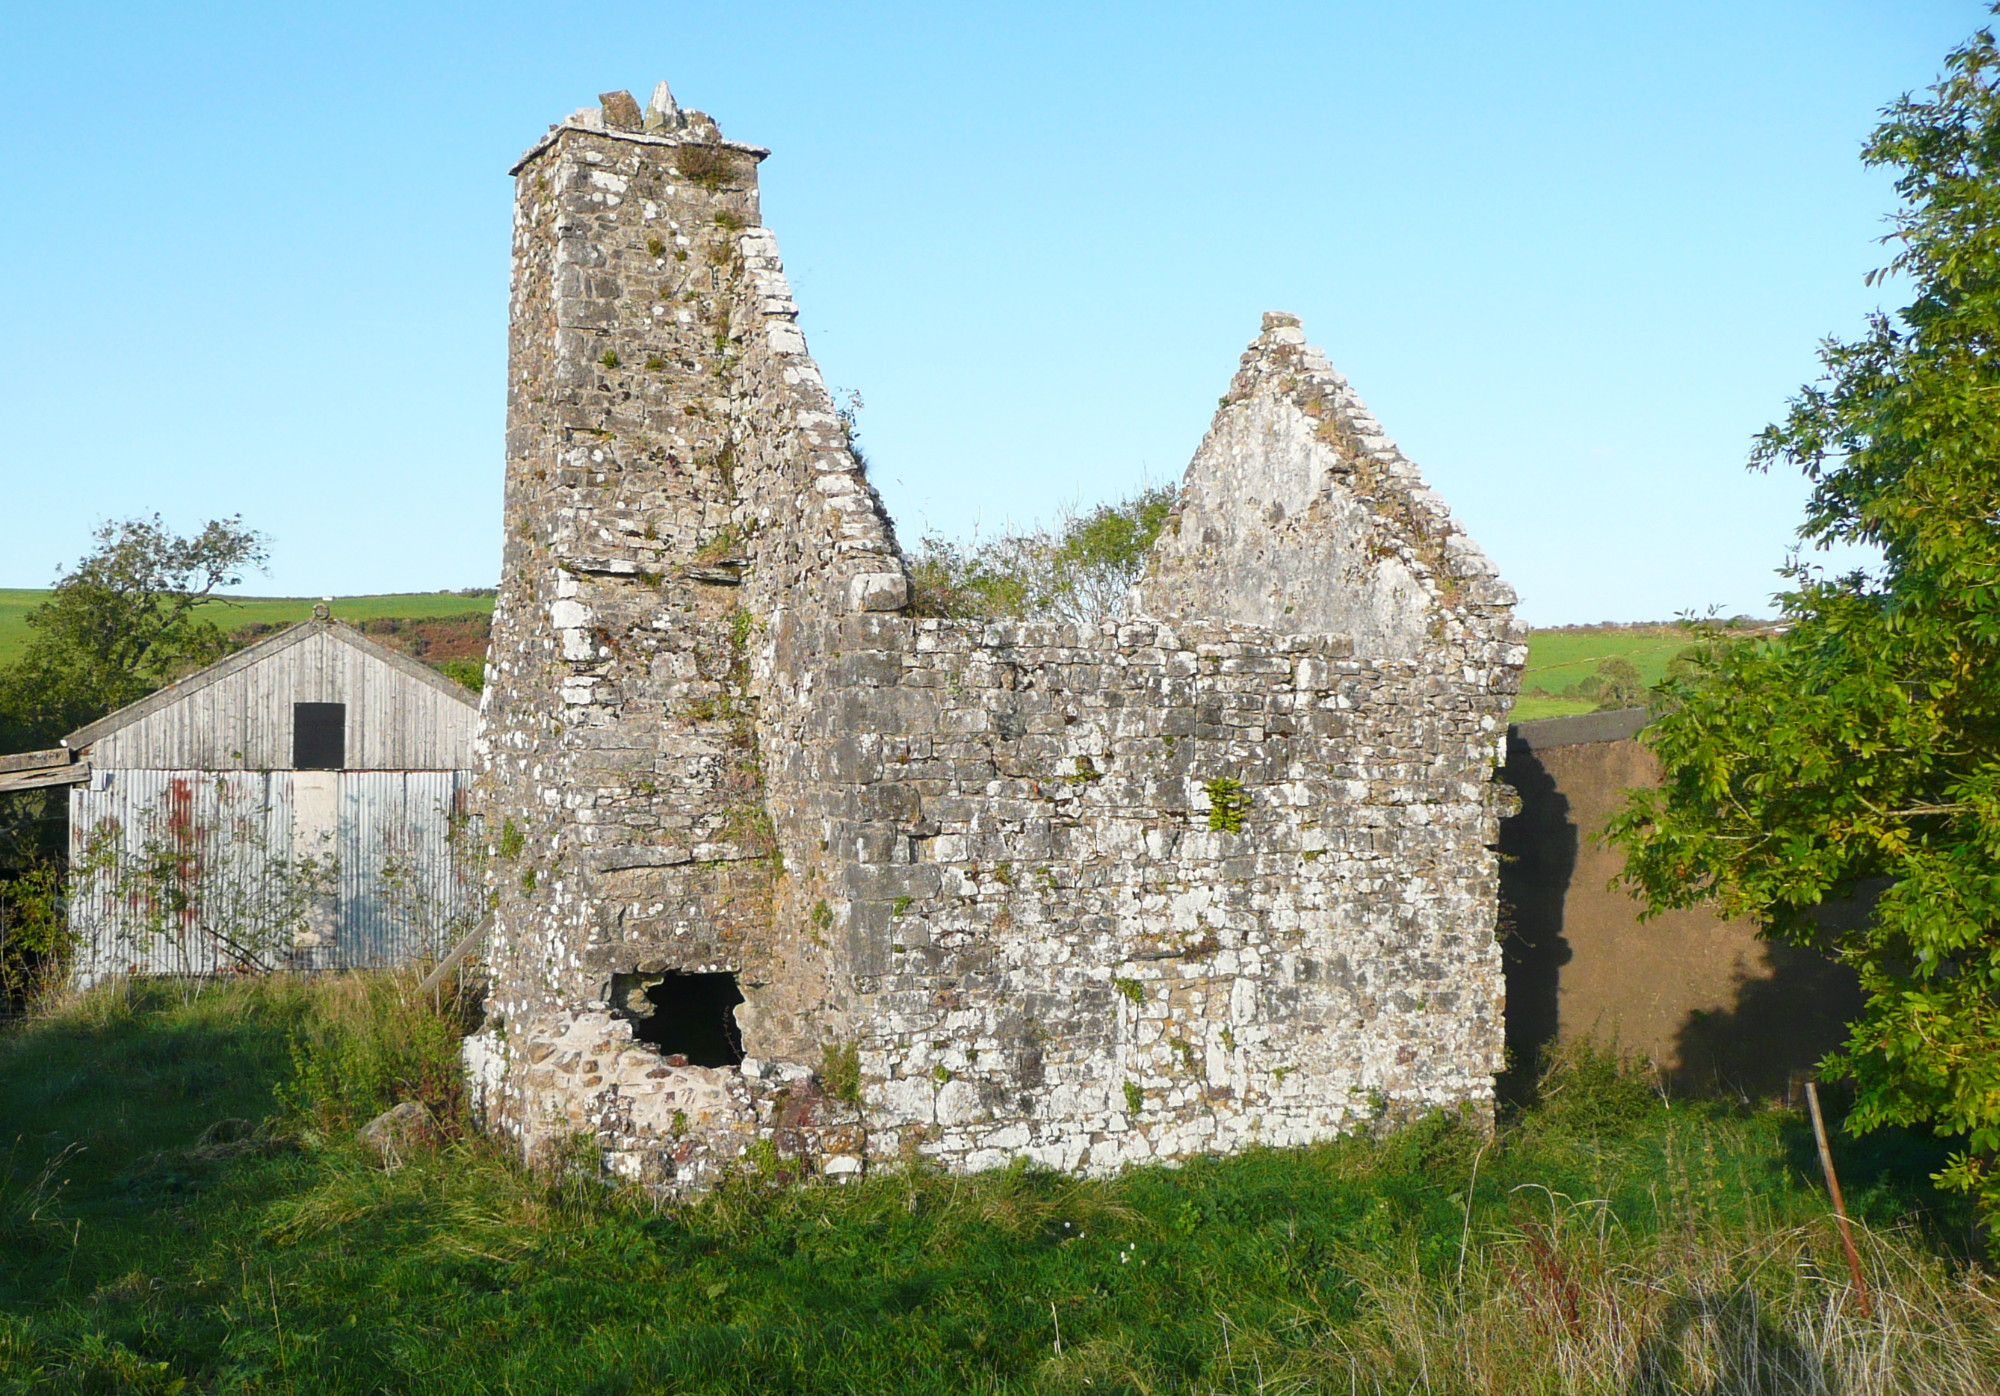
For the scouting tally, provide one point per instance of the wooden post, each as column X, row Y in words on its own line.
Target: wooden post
column 1839, row 1206
column 457, row 953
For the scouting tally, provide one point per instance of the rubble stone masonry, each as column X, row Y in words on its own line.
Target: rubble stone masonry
column 1213, row 875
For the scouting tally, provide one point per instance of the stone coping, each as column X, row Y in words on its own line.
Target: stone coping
column 756, row 152
column 1616, row 726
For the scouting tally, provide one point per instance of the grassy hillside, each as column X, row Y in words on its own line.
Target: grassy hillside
column 183, row 1209
column 263, row 610
column 1558, row 658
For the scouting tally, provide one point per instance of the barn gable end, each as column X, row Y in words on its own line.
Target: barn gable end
column 236, row 715
column 198, row 844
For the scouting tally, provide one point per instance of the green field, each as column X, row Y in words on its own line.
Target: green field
column 1558, row 658
column 184, row 1211
column 268, row 610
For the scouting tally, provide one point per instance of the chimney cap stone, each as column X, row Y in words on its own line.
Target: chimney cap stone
column 663, row 113
column 621, row 112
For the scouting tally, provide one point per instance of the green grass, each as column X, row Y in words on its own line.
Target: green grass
column 1558, row 658
column 270, row 610
column 183, row 1209
column 15, row 604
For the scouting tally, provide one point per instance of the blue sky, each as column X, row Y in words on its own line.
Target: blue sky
column 254, row 259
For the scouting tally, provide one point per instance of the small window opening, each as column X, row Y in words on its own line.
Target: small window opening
column 319, row 736
column 683, row 1015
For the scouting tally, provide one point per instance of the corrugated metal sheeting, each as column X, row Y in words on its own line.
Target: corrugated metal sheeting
column 194, row 872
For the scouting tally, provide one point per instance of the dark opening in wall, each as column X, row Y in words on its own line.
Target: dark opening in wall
column 319, row 736
column 686, row 1015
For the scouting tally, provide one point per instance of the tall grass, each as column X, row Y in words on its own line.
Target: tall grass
column 185, row 1209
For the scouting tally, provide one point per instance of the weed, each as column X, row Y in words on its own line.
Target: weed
column 1228, row 802
column 840, row 1071
column 900, row 905
column 1133, row 991
column 654, row 363
column 710, row 166
column 655, row 248
column 728, row 221
column 1086, row 772
column 512, row 840
column 610, row 359
column 724, row 544
column 1135, row 1099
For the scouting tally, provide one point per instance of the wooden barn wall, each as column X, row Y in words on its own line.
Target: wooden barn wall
column 243, row 722
column 398, row 893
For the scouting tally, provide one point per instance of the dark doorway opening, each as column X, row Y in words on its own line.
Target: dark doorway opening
column 319, row 736
column 683, row 1015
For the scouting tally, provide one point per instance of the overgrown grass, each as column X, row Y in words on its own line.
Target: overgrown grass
column 183, row 1209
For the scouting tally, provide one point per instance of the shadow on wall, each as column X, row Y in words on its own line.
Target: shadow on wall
column 1537, row 861
column 1721, row 1011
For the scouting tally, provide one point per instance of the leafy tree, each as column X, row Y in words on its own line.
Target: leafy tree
column 120, row 625
column 1080, row 570
column 1860, row 746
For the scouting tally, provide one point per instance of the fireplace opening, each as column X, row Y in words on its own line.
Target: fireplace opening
column 684, row 1015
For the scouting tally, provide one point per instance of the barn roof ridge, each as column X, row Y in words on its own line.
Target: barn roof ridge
column 254, row 654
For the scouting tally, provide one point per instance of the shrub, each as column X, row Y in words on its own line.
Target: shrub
column 1080, row 570
column 35, row 939
column 1587, row 1087
column 713, row 167
column 372, row 1042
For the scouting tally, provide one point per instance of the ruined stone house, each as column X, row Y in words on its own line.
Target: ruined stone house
column 783, row 874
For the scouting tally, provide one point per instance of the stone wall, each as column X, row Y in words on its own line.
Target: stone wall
column 1213, row 875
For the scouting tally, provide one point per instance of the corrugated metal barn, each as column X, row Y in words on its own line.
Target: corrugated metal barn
column 295, row 805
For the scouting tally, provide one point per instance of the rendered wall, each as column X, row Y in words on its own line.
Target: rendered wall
column 1719, row 1009
column 1215, row 875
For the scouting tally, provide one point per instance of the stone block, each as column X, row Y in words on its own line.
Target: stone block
column 878, row 591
